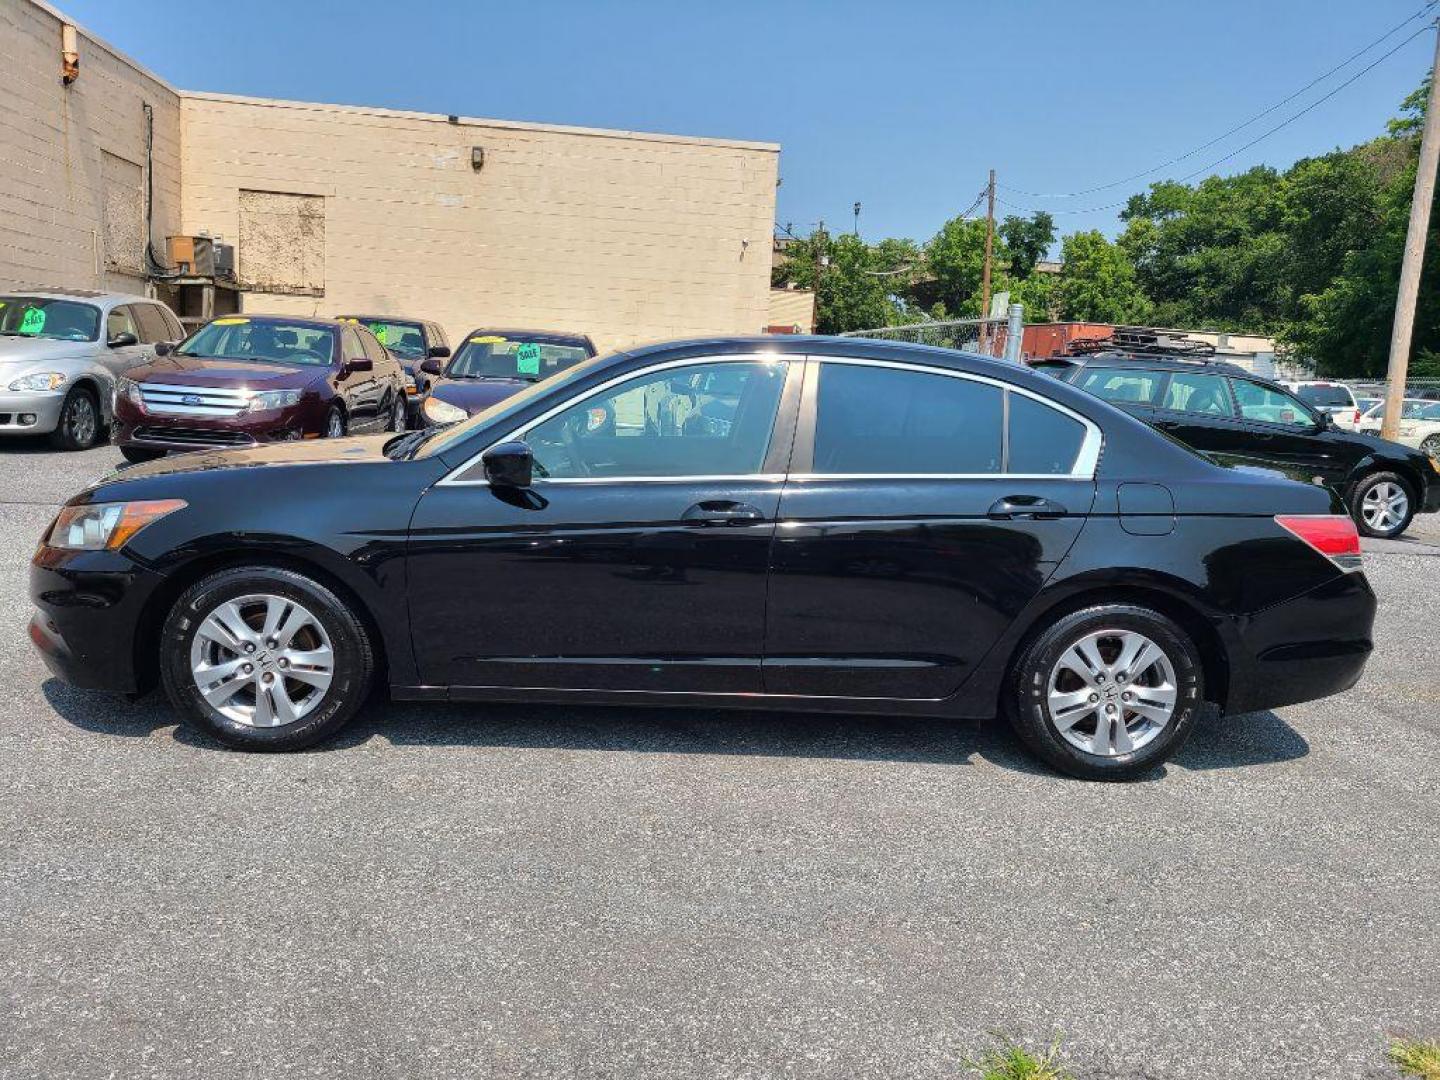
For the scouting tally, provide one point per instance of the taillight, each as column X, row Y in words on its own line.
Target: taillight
column 1332, row 535
column 1356, row 420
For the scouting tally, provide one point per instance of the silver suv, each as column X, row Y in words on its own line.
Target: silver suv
column 60, row 351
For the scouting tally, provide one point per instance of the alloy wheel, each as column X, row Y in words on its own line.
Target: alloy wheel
column 1384, row 506
column 80, row 420
column 262, row 660
column 397, row 415
column 1112, row 692
column 334, row 425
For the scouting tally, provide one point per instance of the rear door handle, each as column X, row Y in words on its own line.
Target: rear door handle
column 1024, row 507
column 722, row 512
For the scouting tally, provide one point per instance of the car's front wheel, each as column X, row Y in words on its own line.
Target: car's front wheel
column 1431, row 446
column 335, row 423
column 80, row 426
column 1107, row 693
column 265, row 658
column 1382, row 506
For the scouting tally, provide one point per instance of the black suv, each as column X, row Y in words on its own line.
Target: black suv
column 1241, row 419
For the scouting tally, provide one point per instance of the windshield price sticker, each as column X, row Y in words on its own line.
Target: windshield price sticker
column 487, row 339
column 527, row 359
column 33, row 321
column 230, row 322
column 381, row 332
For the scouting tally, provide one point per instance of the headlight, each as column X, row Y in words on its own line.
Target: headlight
column 40, row 380
column 442, row 412
column 274, row 399
column 106, row 525
column 128, row 389
column 1435, row 464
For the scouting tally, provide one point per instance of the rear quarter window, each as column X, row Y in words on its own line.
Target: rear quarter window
column 1043, row 440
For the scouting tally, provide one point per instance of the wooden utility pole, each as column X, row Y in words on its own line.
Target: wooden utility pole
column 818, row 242
column 1414, row 259
column 989, row 249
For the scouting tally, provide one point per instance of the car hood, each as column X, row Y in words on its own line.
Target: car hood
column 29, row 350
column 200, row 371
column 475, row 395
column 357, row 449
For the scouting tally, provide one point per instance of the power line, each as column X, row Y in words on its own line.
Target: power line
column 1238, row 127
column 1258, row 139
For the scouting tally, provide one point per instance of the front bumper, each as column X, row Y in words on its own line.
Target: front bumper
column 1309, row 647
column 87, row 626
column 134, row 427
column 41, row 407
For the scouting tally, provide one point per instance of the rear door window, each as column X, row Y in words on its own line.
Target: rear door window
column 1267, row 405
column 894, row 421
column 1123, row 386
column 152, row 324
column 1204, row 395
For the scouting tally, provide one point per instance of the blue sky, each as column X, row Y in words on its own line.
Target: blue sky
column 900, row 105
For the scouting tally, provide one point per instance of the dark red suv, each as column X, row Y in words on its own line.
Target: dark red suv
column 247, row 379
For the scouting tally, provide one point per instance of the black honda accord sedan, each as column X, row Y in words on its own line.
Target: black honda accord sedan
column 872, row 527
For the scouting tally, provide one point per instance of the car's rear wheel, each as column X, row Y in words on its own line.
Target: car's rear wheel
column 398, row 414
column 1107, row 693
column 335, row 423
column 265, row 659
column 79, row 426
column 1382, row 505
column 138, row 455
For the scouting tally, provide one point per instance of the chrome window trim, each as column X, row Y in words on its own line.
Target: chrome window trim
column 1087, row 461
column 451, row 478
column 1084, row 468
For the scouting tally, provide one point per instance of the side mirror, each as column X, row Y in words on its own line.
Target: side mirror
column 360, row 363
column 164, row 348
column 439, row 351
column 122, row 339
column 509, row 465
column 432, row 366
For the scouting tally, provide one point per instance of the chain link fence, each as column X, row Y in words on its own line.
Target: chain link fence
column 1375, row 388
column 989, row 337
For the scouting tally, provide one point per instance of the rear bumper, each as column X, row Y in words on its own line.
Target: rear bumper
column 1309, row 647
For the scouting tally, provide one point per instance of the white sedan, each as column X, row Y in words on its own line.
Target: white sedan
column 1419, row 424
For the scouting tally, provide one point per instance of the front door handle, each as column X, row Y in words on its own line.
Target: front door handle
column 1023, row 507
column 722, row 512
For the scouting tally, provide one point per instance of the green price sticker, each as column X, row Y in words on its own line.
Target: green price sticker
column 33, row 321
column 527, row 359
column 381, row 332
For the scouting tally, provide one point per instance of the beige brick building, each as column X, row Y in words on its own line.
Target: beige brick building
column 624, row 235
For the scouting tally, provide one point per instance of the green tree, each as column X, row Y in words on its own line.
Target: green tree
column 1028, row 239
column 1098, row 283
column 956, row 259
column 858, row 283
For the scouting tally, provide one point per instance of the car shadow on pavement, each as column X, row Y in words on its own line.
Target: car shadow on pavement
column 1217, row 743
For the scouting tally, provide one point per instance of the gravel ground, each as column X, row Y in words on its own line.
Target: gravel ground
column 522, row 891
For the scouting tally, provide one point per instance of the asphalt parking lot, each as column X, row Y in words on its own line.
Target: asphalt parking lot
column 599, row 893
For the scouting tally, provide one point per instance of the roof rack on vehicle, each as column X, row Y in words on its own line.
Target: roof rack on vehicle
column 1142, row 341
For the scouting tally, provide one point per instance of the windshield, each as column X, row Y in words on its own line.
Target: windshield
column 268, row 341
column 1325, row 396
column 496, row 356
column 405, row 339
column 446, row 437
column 58, row 320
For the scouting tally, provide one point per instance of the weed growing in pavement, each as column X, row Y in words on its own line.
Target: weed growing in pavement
column 1416, row 1057
column 1011, row 1061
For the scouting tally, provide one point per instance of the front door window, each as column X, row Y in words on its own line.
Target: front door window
column 703, row 419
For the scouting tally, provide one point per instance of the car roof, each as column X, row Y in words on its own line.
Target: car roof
column 553, row 337
column 94, row 295
column 386, row 318
column 1153, row 361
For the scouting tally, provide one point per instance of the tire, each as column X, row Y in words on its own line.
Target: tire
column 80, row 426
column 315, row 620
column 138, row 455
column 335, row 426
column 1086, row 741
column 1382, row 505
column 1431, row 446
column 399, row 413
